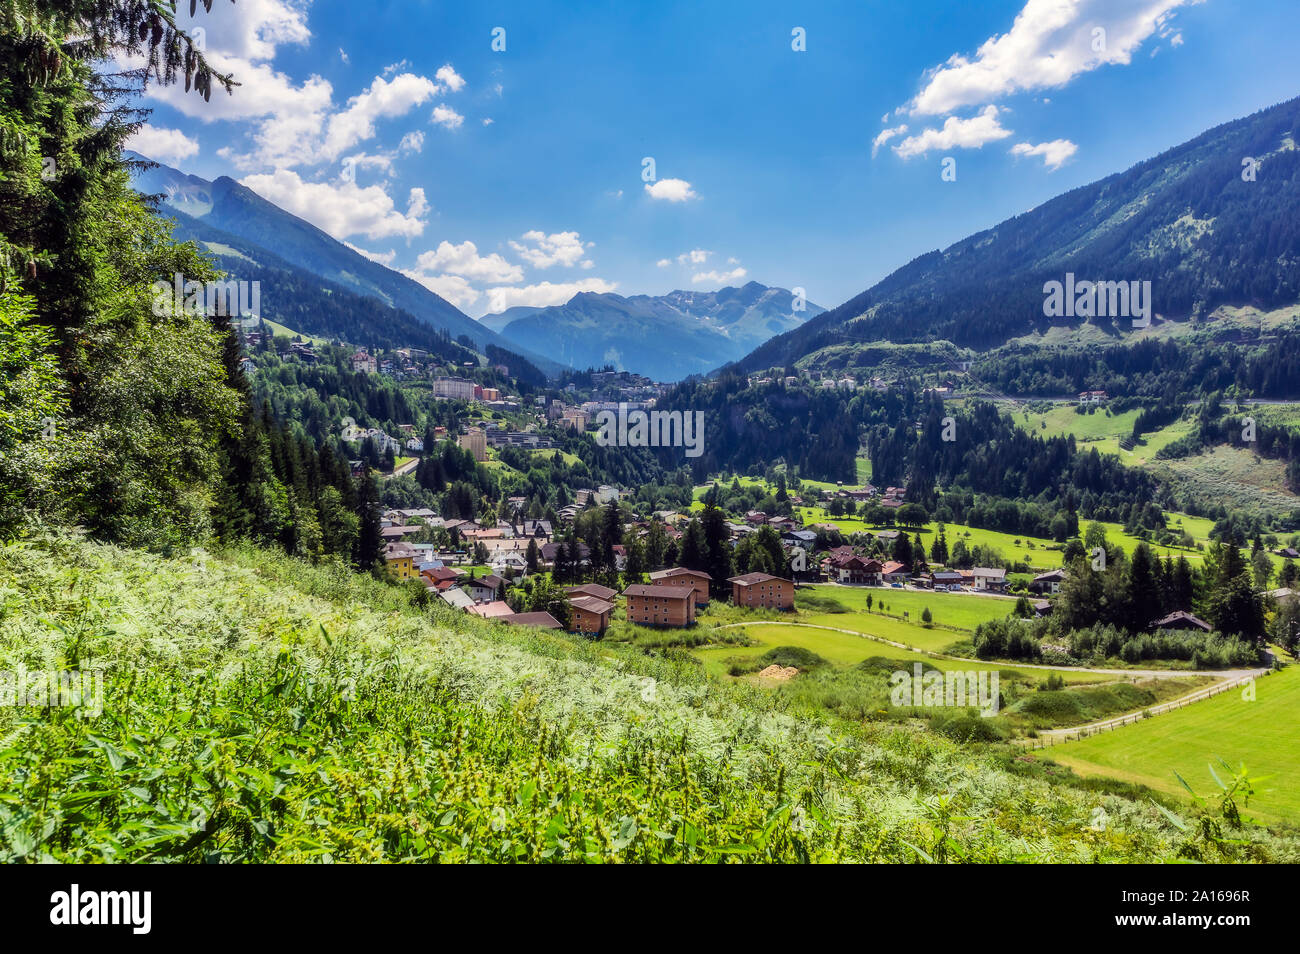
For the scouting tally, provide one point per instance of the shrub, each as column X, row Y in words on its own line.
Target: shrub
column 796, row 656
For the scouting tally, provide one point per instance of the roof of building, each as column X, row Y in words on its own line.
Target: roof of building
column 749, row 579
column 591, row 589
column 893, row 566
column 993, row 573
column 591, row 604
column 545, row 620
column 400, row 551
column 1184, row 618
column 493, row 610
column 661, row 592
column 457, row 598
column 678, row 571
column 550, row 549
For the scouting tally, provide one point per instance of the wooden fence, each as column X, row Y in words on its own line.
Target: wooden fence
column 1083, row 732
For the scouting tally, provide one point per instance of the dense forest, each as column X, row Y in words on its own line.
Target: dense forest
column 1149, row 371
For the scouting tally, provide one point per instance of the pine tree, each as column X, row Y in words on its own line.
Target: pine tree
column 370, row 542
column 693, row 553
column 939, row 550
column 1143, row 593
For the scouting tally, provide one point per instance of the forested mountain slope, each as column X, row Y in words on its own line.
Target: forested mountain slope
column 1196, row 221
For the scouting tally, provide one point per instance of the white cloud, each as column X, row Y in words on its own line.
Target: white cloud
column 251, row 29
column 670, row 190
column 543, row 293
column 696, row 256
column 455, row 289
column 449, row 78
column 384, row 99
column 291, row 118
column 287, row 123
column 956, row 134
column 465, row 261
column 446, row 116
column 1049, row 43
column 487, row 120
column 720, row 278
column 362, row 160
column 413, row 141
column 417, row 205
column 343, row 55
column 383, row 258
column 343, row 208
column 243, row 41
column 1054, row 153
column 664, row 262
column 543, row 251
column 886, row 135
column 164, row 145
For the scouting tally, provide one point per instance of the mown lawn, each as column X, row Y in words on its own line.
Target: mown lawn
column 844, row 649
column 965, row 610
column 1261, row 734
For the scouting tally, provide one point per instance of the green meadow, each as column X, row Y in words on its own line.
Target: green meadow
column 1259, row 734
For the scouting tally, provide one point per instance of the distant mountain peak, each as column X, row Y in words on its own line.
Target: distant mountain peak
column 666, row 337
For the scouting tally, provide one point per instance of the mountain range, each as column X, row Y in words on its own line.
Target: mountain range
column 323, row 287
column 1211, row 222
column 223, row 215
column 666, row 337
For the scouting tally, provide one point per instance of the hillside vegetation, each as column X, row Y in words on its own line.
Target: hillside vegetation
column 257, row 708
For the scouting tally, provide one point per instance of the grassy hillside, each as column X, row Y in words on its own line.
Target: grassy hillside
column 260, row 709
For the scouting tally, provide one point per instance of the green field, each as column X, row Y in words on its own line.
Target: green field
column 1260, row 734
column 1037, row 552
column 844, row 649
column 949, row 609
column 1100, row 429
column 569, row 459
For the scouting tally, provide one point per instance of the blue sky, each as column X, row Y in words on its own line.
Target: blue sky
column 516, row 176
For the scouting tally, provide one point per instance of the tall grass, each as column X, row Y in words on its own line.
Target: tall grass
column 260, row 709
